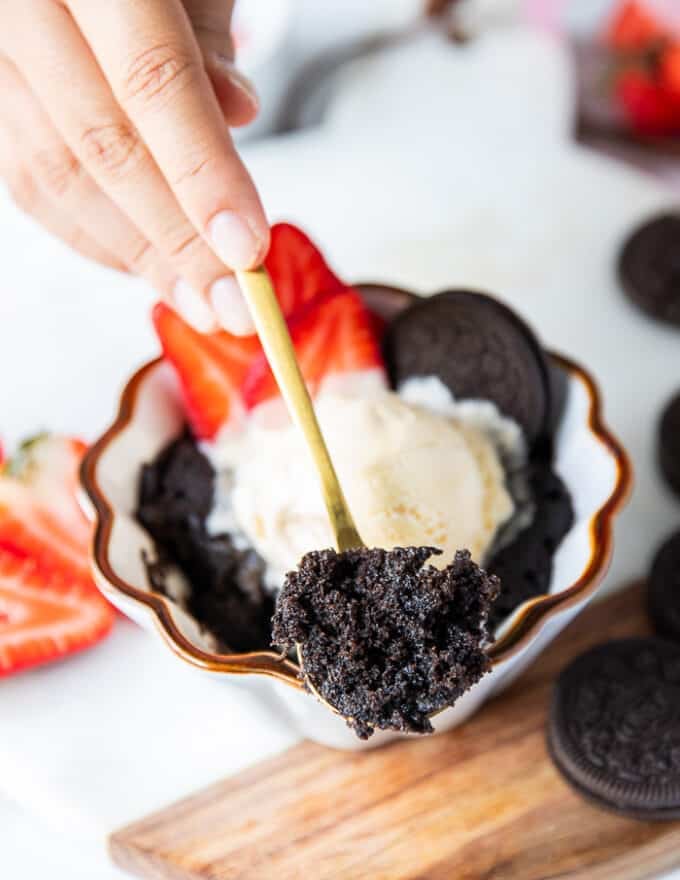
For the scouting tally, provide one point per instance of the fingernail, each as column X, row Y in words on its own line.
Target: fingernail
column 193, row 308
column 230, row 307
column 239, row 80
column 234, row 241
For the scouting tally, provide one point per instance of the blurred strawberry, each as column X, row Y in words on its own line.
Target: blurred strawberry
column 49, row 604
column 669, row 70
column 40, row 516
column 633, row 27
column 45, row 614
column 651, row 107
column 646, row 69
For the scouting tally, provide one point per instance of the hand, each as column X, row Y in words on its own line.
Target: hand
column 113, row 135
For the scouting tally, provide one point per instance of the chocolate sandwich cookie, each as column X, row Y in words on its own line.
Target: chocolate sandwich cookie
column 479, row 348
column 663, row 594
column 614, row 727
column 524, row 566
column 669, row 443
column 649, row 267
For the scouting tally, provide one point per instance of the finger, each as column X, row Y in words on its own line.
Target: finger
column 61, row 179
column 28, row 196
column 155, row 68
column 236, row 95
column 108, row 146
column 30, row 199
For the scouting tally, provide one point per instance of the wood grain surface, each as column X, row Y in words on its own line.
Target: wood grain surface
column 483, row 802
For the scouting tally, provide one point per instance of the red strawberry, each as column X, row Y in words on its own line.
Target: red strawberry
column 297, row 269
column 332, row 336
column 669, row 71
column 40, row 516
column 45, row 615
column 211, row 369
column 651, row 107
column 633, row 27
column 221, row 372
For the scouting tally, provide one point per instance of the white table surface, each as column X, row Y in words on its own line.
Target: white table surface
column 487, row 193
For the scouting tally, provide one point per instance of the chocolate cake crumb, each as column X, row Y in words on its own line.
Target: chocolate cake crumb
column 227, row 596
column 386, row 639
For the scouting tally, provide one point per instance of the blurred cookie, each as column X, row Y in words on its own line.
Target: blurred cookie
column 669, row 443
column 649, row 267
column 663, row 592
column 614, row 727
column 479, row 348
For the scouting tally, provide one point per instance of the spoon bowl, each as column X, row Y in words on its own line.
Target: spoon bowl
column 273, row 332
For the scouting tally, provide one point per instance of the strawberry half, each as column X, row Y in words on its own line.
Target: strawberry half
column 211, row 369
column 45, row 615
column 40, row 517
column 299, row 272
column 333, row 336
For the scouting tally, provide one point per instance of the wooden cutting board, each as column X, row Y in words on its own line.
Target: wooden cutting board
column 483, row 802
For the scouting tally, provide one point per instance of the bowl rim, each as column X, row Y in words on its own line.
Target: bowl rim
column 525, row 623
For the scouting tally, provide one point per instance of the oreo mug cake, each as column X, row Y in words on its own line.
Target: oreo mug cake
column 440, row 424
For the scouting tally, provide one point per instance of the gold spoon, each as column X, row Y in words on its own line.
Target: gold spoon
column 273, row 332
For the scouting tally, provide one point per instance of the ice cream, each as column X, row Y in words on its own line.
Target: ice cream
column 413, row 475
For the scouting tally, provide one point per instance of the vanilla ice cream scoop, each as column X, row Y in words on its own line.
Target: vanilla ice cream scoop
column 412, row 477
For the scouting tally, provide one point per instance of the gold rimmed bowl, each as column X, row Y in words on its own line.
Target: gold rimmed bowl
column 589, row 459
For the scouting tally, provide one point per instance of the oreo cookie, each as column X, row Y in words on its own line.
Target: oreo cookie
column 669, row 443
column 524, row 566
column 649, row 267
column 479, row 348
column 663, row 594
column 559, row 392
column 614, row 727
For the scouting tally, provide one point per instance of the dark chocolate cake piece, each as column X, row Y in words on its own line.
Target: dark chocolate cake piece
column 227, row 595
column 387, row 640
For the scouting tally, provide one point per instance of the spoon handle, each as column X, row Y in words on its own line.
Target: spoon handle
column 273, row 332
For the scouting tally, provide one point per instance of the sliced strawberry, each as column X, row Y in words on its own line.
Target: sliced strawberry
column 334, row 335
column 633, row 27
column 40, row 516
column 297, row 269
column 45, row 615
column 220, row 373
column 211, row 369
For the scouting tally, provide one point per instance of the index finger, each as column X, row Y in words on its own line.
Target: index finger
column 149, row 54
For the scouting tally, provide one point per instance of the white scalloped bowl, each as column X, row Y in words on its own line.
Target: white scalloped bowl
column 588, row 458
